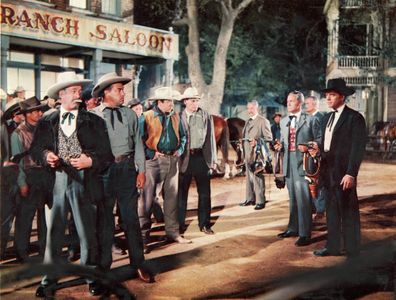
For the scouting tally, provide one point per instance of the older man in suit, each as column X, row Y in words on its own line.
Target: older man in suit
column 311, row 107
column 296, row 128
column 197, row 160
column 74, row 145
column 256, row 132
column 342, row 148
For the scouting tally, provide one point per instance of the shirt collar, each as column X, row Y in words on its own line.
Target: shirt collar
column 103, row 106
column 297, row 114
column 340, row 109
column 62, row 111
column 254, row 117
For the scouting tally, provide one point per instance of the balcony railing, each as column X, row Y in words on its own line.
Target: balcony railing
column 357, row 3
column 361, row 81
column 358, row 62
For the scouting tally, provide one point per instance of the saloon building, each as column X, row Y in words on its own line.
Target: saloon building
column 40, row 39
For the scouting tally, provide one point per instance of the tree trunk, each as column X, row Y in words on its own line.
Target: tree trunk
column 212, row 94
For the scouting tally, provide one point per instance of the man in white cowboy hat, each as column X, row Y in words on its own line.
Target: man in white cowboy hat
column 74, row 145
column 20, row 92
column 32, row 181
column 164, row 141
column 121, row 180
column 197, row 160
column 9, row 174
column 342, row 149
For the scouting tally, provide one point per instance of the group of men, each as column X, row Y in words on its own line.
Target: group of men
column 338, row 141
column 85, row 162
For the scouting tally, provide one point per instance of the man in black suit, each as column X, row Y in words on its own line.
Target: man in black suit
column 342, row 149
column 74, row 145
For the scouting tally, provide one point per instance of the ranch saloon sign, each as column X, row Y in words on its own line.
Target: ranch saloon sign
column 85, row 31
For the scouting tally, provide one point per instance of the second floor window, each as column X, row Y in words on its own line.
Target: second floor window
column 357, row 40
column 111, row 7
column 78, row 3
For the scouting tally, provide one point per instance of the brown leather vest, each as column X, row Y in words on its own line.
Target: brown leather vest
column 154, row 128
column 26, row 135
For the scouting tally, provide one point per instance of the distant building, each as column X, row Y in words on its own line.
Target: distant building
column 362, row 50
column 40, row 39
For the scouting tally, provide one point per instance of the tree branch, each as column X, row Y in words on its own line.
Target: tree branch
column 241, row 7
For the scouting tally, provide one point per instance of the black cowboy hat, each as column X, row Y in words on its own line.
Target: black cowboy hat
column 134, row 102
column 87, row 92
column 31, row 104
column 338, row 85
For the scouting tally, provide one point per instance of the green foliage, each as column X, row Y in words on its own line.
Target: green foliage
column 277, row 45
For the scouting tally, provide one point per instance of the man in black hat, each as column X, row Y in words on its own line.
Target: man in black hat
column 342, row 149
column 32, row 181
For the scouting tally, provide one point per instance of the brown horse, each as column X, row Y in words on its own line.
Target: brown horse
column 222, row 137
column 383, row 137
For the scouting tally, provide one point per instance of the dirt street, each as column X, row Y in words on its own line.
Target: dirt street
column 244, row 259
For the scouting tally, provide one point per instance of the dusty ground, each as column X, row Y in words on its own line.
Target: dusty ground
column 245, row 259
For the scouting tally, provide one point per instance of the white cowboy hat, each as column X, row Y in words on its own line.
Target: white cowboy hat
column 107, row 80
column 19, row 89
column 11, row 108
column 165, row 93
column 65, row 80
column 190, row 93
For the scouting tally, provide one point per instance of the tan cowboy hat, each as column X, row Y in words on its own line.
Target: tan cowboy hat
column 165, row 93
column 11, row 108
column 107, row 80
column 190, row 93
column 31, row 104
column 19, row 89
column 65, row 80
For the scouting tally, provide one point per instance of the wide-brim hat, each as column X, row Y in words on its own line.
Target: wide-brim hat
column 190, row 93
column 87, row 92
column 134, row 102
column 276, row 114
column 106, row 80
column 31, row 104
column 19, row 89
column 339, row 85
column 11, row 108
column 165, row 93
column 66, row 79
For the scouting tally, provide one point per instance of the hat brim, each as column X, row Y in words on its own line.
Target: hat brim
column 30, row 109
column 10, row 111
column 189, row 97
column 343, row 91
column 99, row 87
column 53, row 91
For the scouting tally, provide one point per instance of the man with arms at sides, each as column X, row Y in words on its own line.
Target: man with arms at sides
column 256, row 132
column 164, row 140
column 311, row 108
column 32, row 181
column 74, row 145
column 121, row 180
column 342, row 149
column 296, row 128
column 197, row 160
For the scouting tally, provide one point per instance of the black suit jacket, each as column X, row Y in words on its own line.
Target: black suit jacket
column 94, row 141
column 347, row 147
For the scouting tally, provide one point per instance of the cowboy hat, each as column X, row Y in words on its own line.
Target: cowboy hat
column 11, row 108
column 19, row 89
column 338, row 85
column 190, row 93
column 165, row 93
column 66, row 79
column 87, row 93
column 31, row 104
column 106, row 80
column 277, row 114
column 134, row 102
